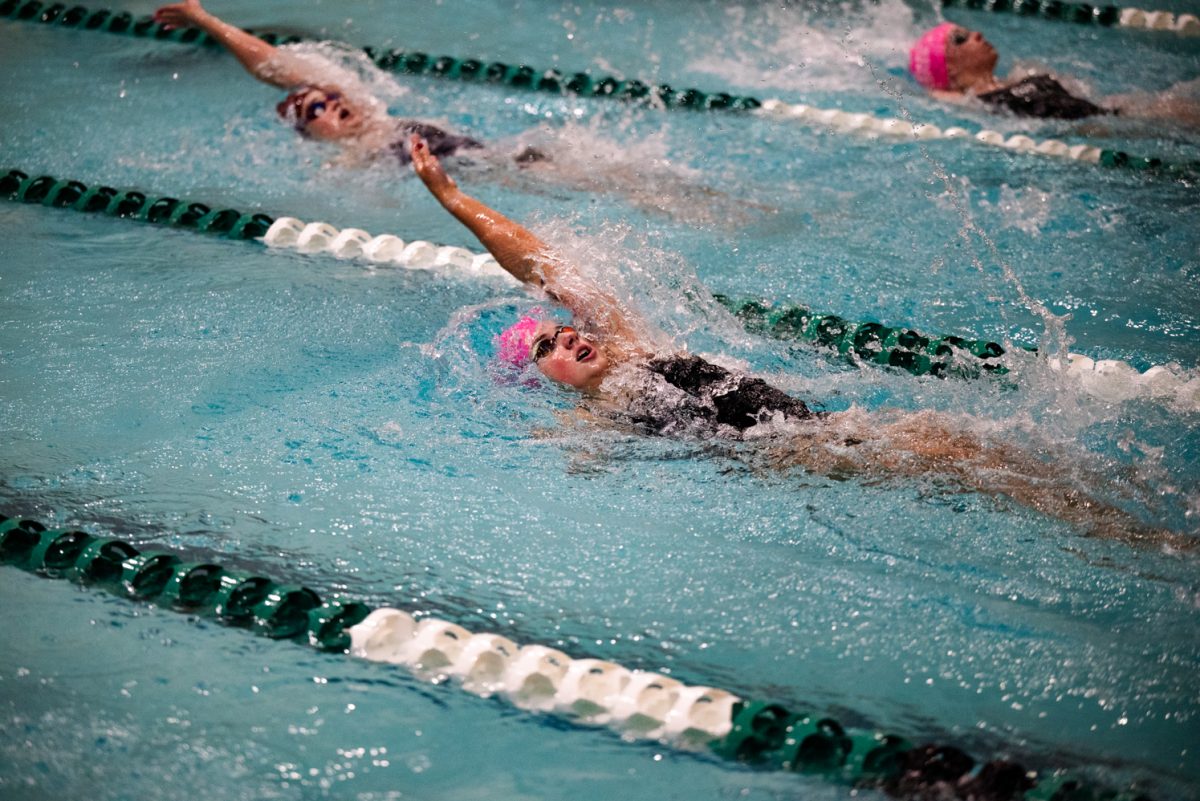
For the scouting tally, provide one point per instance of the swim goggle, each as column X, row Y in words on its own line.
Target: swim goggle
column 293, row 108
column 543, row 346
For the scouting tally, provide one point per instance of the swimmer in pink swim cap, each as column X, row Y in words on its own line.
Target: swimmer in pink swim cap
column 927, row 59
column 624, row 376
column 956, row 64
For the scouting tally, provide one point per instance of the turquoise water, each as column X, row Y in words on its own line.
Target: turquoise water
column 329, row 424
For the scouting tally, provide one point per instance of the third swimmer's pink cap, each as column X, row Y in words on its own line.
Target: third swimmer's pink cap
column 927, row 59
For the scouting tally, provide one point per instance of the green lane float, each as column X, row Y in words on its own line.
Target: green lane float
column 584, row 84
column 867, row 342
column 639, row 704
column 145, row 576
column 1106, row 16
column 57, row 550
column 412, row 63
column 863, row 342
column 192, row 584
column 102, row 561
column 119, row 22
column 49, row 191
column 871, row 342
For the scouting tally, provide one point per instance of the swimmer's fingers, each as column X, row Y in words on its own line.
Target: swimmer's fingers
column 179, row 14
column 428, row 167
column 168, row 17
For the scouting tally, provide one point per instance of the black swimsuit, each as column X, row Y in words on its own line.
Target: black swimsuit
column 685, row 394
column 1042, row 96
column 441, row 143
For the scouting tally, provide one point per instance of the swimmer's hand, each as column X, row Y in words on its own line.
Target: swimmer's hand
column 187, row 14
column 429, row 169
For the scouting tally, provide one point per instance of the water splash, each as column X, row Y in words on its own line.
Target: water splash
column 789, row 47
column 1025, row 208
column 349, row 69
column 649, row 282
column 607, row 156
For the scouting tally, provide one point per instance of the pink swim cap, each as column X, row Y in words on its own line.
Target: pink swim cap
column 927, row 59
column 514, row 341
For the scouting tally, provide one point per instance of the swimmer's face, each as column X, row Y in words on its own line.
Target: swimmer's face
column 321, row 114
column 968, row 57
column 566, row 356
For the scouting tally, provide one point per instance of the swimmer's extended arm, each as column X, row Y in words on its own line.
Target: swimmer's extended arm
column 518, row 250
column 1173, row 105
column 260, row 59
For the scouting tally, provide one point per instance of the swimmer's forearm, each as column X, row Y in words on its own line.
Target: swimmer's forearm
column 514, row 247
column 528, row 259
column 259, row 58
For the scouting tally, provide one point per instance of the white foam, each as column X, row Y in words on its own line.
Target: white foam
column 784, row 48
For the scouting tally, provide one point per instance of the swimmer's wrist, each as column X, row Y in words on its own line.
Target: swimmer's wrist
column 203, row 20
column 209, row 23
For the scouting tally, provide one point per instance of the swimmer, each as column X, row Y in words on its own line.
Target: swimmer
column 956, row 64
column 318, row 108
column 608, row 354
column 315, row 107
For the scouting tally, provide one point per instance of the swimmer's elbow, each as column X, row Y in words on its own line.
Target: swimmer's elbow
column 284, row 70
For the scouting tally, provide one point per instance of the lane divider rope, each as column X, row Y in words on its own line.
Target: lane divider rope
column 871, row 342
column 385, row 249
column 1086, row 14
column 950, row 356
column 66, row 194
column 584, row 84
column 639, row 704
column 282, row 232
column 872, row 126
column 863, row 342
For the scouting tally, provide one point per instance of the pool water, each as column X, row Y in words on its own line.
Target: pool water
column 340, row 426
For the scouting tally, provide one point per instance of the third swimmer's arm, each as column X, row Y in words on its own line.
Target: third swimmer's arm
column 260, row 59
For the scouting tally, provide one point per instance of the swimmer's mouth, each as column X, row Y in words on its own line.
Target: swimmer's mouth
column 584, row 353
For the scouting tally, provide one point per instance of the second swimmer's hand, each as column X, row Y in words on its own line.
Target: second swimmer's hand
column 429, row 169
column 180, row 15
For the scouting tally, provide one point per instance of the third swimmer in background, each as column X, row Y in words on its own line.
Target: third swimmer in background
column 956, row 64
